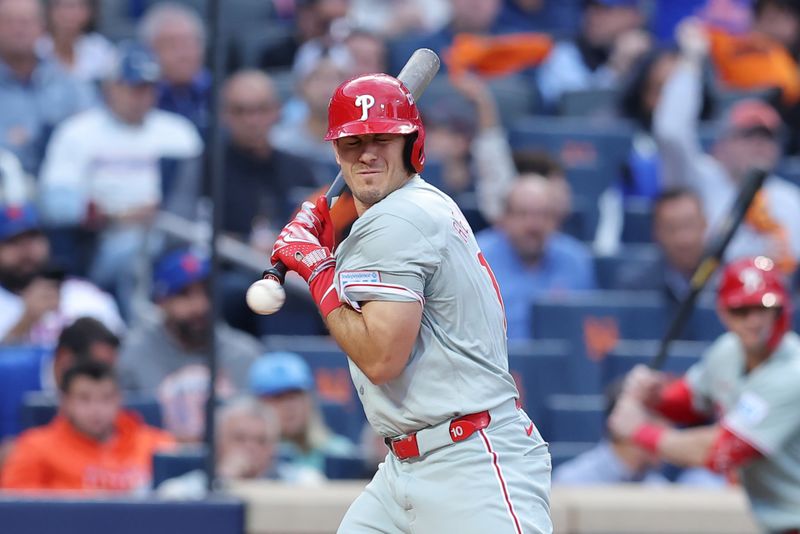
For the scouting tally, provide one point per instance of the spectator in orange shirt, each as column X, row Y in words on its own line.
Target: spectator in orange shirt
column 764, row 56
column 91, row 445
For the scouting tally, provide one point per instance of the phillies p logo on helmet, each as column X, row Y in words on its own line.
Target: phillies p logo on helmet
column 366, row 102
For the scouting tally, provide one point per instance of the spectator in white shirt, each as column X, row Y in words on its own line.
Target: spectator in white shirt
column 106, row 169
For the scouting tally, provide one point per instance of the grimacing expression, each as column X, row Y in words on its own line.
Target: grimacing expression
column 372, row 165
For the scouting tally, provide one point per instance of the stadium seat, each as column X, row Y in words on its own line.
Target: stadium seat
column 625, row 314
column 39, row 408
column 172, row 464
column 346, row 468
column 588, row 103
column 214, row 515
column 592, row 151
column 538, row 370
column 637, row 224
column 574, row 418
column 345, row 419
column 20, row 373
column 630, row 256
column 789, row 168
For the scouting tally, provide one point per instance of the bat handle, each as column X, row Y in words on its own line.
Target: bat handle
column 277, row 272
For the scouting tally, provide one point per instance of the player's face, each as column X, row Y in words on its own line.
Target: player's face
column 753, row 325
column 92, row 406
column 372, row 166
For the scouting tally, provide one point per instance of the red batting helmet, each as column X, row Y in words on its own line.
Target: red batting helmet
column 373, row 104
column 756, row 281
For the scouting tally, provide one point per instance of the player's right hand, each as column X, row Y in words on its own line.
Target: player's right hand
column 644, row 384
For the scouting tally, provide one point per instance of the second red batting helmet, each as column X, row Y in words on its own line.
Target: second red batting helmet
column 374, row 104
column 756, row 282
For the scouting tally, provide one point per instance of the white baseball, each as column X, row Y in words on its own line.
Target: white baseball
column 265, row 297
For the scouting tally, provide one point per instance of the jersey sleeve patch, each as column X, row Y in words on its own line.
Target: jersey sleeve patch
column 751, row 409
column 746, row 420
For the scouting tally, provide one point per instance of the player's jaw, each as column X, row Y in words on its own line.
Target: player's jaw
column 372, row 165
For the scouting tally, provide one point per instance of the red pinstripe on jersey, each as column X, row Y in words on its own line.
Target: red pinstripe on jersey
column 499, row 473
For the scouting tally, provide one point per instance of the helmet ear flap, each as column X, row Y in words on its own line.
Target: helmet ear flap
column 408, row 152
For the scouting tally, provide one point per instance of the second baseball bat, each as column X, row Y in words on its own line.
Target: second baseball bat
column 711, row 260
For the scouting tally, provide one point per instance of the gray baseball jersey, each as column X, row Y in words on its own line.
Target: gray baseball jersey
column 415, row 245
column 762, row 408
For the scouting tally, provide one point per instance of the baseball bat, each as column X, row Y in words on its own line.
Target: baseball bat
column 715, row 250
column 416, row 75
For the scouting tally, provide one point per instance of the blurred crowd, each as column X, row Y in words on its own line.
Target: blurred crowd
column 105, row 122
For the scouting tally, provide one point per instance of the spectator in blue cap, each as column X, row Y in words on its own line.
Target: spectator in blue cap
column 104, row 169
column 610, row 42
column 166, row 353
column 283, row 381
column 36, row 299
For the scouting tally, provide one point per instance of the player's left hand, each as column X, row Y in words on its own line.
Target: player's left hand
column 299, row 246
column 628, row 415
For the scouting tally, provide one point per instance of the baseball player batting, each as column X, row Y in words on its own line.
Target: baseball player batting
column 748, row 382
column 414, row 305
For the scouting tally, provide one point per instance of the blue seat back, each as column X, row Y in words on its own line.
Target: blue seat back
column 20, row 372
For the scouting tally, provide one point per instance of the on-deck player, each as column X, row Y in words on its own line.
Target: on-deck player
column 414, row 305
column 749, row 382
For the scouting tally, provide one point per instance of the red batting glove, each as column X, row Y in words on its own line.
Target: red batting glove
column 298, row 247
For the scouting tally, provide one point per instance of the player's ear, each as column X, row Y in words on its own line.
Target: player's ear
column 335, row 146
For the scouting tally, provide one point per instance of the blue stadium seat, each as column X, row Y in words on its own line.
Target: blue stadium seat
column 346, row 468
column 704, row 323
column 574, row 418
column 789, row 168
column 637, row 223
column 215, row 515
column 20, row 372
column 172, row 464
column 538, row 370
column 345, row 419
column 592, row 152
column 608, row 268
column 632, row 314
column 588, row 103
column 39, row 408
